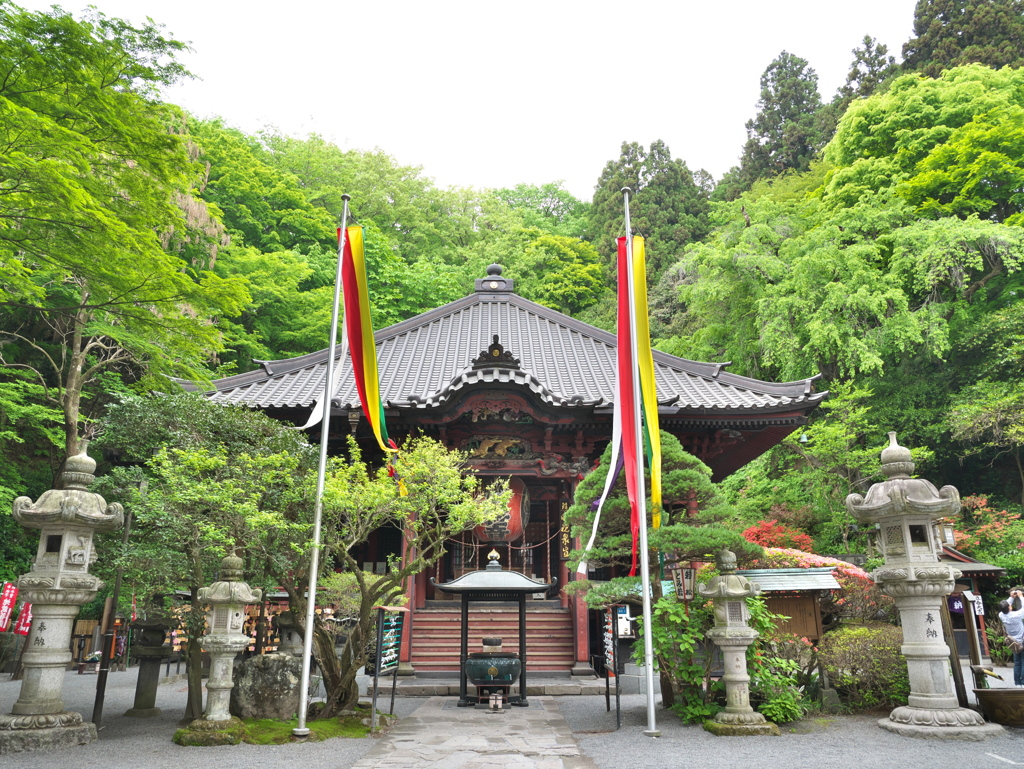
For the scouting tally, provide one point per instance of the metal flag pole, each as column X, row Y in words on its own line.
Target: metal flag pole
column 645, row 560
column 301, row 730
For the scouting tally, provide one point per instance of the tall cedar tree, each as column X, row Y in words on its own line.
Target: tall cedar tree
column 950, row 33
column 667, row 207
column 784, row 135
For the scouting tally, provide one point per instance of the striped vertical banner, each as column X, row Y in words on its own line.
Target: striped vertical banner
column 360, row 333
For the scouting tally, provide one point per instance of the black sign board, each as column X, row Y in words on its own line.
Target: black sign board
column 389, row 640
column 390, row 626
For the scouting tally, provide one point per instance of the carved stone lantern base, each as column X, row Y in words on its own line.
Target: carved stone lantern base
column 940, row 724
column 203, row 733
column 763, row 729
column 20, row 734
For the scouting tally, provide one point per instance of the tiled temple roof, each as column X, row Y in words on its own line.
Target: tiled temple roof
column 427, row 360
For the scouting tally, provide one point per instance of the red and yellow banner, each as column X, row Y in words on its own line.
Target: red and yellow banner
column 634, row 354
column 360, row 333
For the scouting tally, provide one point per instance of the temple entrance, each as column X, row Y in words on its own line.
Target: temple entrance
column 535, row 554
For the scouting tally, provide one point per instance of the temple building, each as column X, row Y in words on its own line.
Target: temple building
column 528, row 394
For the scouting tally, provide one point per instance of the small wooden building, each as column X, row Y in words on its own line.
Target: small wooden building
column 795, row 593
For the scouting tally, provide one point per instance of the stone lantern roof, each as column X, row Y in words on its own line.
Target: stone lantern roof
column 71, row 505
column 901, row 494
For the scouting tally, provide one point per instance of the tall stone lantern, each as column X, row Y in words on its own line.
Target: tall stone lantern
column 57, row 586
column 729, row 592
column 904, row 511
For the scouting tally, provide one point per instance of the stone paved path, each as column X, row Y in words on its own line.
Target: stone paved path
column 440, row 734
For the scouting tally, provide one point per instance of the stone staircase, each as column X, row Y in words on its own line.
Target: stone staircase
column 436, row 635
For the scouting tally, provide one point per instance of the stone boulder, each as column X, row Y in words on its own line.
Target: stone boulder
column 267, row 686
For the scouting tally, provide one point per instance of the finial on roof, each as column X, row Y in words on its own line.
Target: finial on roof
column 494, row 282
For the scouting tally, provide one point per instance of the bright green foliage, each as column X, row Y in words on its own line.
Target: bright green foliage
column 30, row 439
column 419, row 220
column 890, row 264
column 686, row 660
column 803, row 482
column 783, row 668
column 951, row 33
column 88, row 163
column 678, row 638
column 262, row 206
column 558, row 272
column 96, row 188
column 906, row 139
column 666, row 206
column 213, row 480
column 866, row 666
column 548, row 207
column 977, row 170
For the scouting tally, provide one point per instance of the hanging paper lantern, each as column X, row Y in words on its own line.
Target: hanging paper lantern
column 510, row 525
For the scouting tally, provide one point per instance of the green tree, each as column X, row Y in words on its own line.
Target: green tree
column 950, row 33
column 202, row 481
column 262, row 206
column 95, row 179
column 548, row 207
column 691, row 522
column 947, row 146
column 666, row 207
column 558, row 272
column 784, row 135
column 989, row 416
column 441, row 501
column 872, row 65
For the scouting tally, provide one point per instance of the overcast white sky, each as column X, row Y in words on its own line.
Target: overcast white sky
column 491, row 94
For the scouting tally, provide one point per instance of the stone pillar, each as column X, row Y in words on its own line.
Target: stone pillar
column 57, row 586
column 225, row 621
column 151, row 651
column 732, row 635
column 904, row 511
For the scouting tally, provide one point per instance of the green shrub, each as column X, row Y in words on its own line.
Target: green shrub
column 865, row 666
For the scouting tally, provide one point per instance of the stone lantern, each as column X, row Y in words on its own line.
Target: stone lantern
column 57, row 586
column 151, row 649
column 904, row 510
column 729, row 592
column 225, row 621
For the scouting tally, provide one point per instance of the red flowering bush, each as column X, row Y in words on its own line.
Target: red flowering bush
column 775, row 534
column 983, row 529
column 858, row 597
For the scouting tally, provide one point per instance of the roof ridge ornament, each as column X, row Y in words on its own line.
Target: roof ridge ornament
column 494, row 282
column 496, row 356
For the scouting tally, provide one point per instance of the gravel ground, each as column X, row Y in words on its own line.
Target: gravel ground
column 832, row 741
column 145, row 743
column 827, row 741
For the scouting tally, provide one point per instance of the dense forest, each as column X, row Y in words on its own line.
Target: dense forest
column 873, row 238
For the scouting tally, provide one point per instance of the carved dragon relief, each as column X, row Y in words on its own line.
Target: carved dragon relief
column 490, row 446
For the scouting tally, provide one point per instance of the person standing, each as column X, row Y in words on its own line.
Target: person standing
column 1013, row 625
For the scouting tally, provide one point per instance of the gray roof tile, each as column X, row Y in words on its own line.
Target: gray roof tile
column 425, row 360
